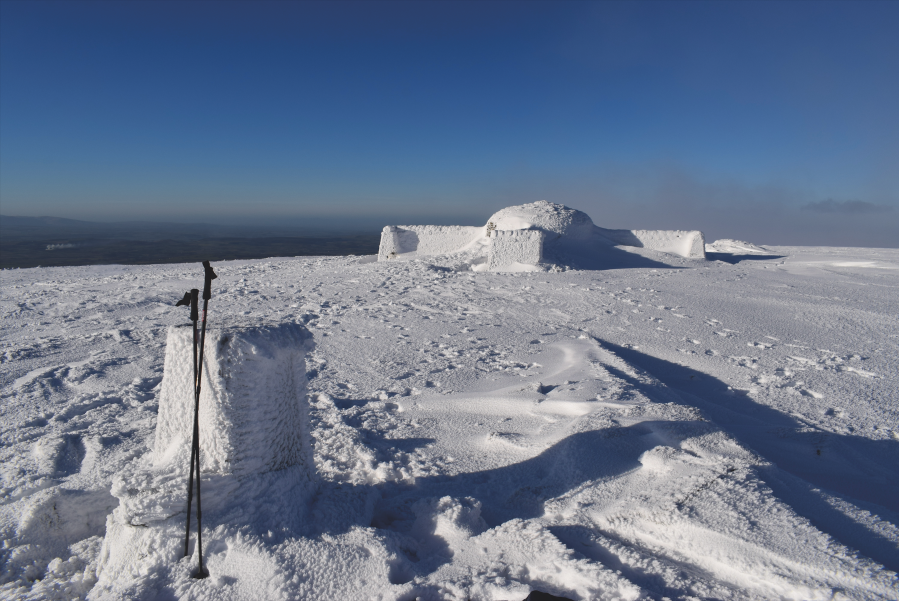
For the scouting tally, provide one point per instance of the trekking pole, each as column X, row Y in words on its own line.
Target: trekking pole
column 191, row 298
column 207, row 294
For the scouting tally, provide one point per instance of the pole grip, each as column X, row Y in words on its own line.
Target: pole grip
column 194, row 304
column 207, row 285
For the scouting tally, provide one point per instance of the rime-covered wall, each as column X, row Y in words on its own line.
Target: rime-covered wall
column 426, row 239
column 690, row 244
column 515, row 246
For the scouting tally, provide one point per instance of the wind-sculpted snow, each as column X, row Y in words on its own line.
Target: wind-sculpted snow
column 725, row 429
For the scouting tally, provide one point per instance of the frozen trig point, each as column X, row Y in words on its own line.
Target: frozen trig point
column 255, row 446
column 526, row 237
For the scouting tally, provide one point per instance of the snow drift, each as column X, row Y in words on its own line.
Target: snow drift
column 736, row 247
column 561, row 236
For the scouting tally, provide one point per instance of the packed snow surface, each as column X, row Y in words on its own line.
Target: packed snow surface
column 661, row 428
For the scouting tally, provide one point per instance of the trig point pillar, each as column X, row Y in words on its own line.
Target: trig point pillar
column 255, row 447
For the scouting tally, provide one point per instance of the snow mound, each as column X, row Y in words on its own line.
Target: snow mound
column 549, row 217
column 735, row 247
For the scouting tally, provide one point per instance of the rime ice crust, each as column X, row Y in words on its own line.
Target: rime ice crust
column 513, row 248
column 253, row 414
column 255, row 450
column 549, row 217
column 564, row 237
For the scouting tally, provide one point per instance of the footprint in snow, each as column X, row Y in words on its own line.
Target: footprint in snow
column 58, row 455
column 761, row 345
column 749, row 362
column 855, row 370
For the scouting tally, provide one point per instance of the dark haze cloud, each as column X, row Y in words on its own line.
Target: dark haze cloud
column 847, row 207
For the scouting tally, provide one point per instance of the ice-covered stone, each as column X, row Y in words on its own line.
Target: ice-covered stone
column 255, row 448
column 253, row 414
column 511, row 248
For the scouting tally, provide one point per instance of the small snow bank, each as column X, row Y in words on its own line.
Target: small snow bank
column 735, row 247
column 531, row 237
column 255, row 451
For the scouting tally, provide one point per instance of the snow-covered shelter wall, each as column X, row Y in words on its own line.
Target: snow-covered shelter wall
column 530, row 234
column 515, row 246
column 253, row 412
column 689, row 244
column 426, row 239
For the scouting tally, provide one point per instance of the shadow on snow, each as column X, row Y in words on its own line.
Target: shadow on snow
column 861, row 470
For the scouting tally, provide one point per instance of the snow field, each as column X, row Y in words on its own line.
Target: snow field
column 680, row 429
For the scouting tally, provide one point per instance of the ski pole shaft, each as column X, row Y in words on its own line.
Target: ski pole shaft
column 207, row 294
column 201, row 573
column 194, row 294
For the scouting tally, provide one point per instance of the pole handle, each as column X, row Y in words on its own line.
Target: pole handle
column 191, row 299
column 207, row 285
column 194, row 305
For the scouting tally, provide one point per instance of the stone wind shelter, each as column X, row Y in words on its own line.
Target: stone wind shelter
column 526, row 237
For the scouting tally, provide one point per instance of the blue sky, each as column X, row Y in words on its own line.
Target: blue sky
column 775, row 122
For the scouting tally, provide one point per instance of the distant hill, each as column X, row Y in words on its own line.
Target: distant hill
column 55, row 241
column 53, row 227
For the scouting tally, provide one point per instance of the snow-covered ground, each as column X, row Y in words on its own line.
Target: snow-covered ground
column 722, row 429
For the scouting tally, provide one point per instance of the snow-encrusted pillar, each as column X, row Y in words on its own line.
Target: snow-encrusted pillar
column 255, row 450
column 253, row 414
column 389, row 246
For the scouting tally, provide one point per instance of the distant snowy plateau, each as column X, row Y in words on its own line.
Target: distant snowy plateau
column 719, row 428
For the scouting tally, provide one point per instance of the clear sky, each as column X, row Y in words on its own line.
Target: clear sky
column 772, row 122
